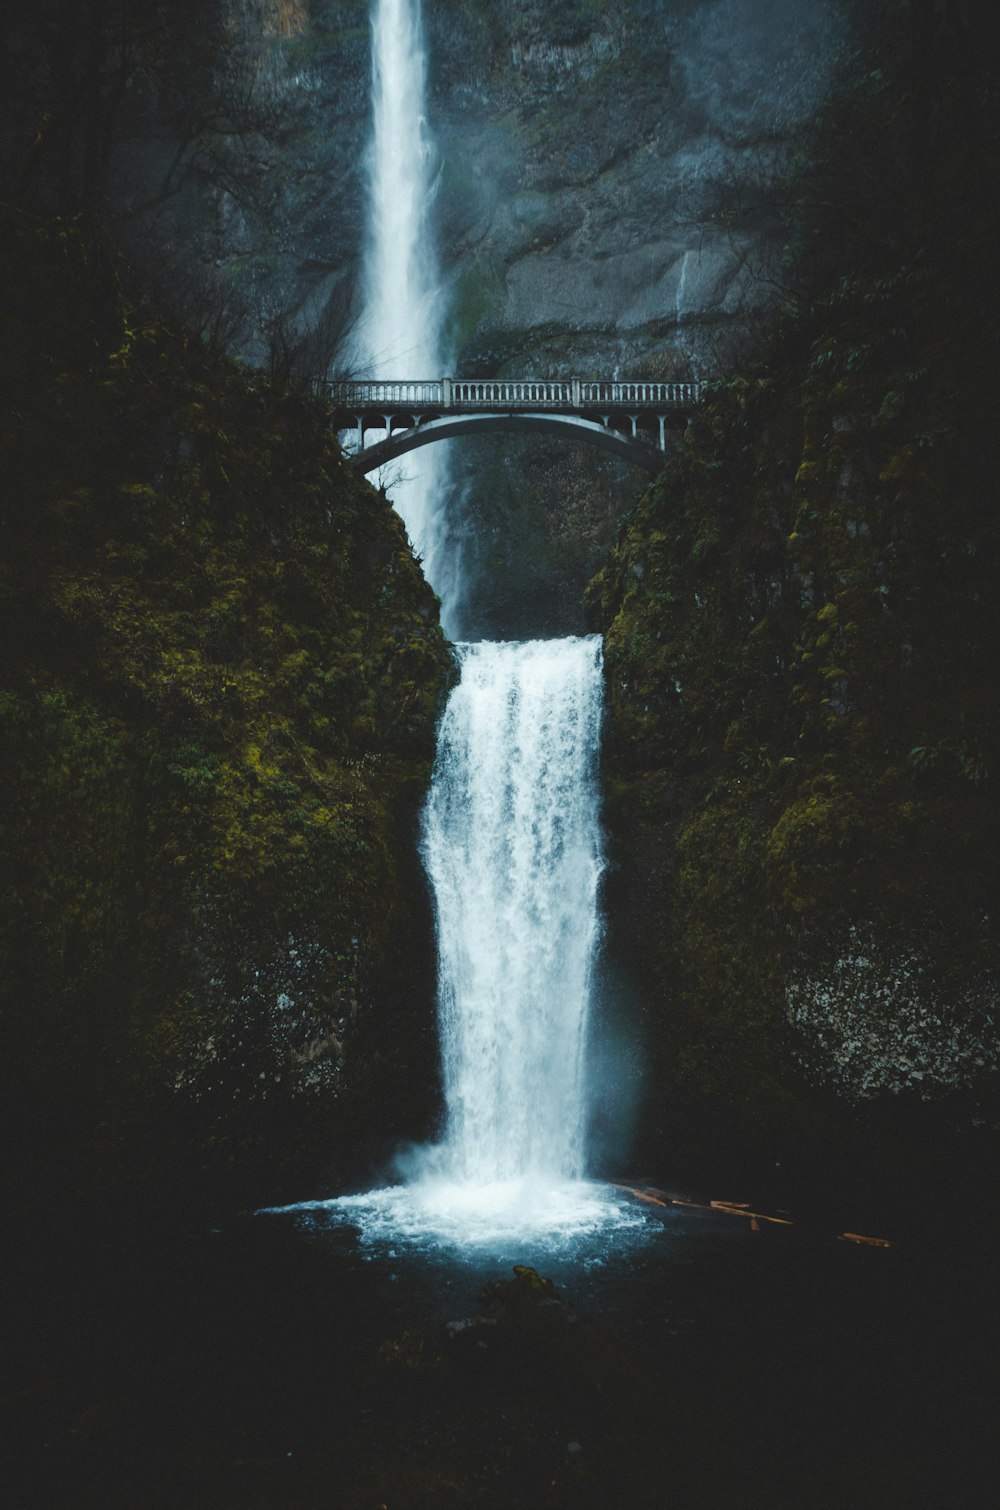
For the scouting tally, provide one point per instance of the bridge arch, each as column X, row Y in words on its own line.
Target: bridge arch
column 450, row 427
column 626, row 418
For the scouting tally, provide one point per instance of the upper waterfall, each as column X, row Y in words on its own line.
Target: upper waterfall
column 402, row 323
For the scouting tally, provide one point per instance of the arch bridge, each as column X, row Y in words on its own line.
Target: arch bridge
column 627, row 419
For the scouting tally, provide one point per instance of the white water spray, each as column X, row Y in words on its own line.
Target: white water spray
column 402, row 325
column 513, row 850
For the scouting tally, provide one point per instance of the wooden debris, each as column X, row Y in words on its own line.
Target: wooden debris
column 643, row 1195
column 742, row 1208
column 657, row 1197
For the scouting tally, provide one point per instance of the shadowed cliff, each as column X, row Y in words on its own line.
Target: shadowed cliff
column 221, row 676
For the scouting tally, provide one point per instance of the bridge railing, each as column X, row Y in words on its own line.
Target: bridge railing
column 368, row 395
column 512, row 393
column 622, row 395
column 517, row 393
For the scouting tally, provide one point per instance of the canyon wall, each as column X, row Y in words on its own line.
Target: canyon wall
column 608, row 201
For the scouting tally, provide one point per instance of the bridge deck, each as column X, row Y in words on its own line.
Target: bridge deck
column 628, row 419
column 474, row 395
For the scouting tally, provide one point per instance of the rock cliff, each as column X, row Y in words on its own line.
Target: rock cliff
column 801, row 619
column 606, row 203
column 220, row 682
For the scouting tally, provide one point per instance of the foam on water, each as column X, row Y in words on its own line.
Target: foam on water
column 522, row 1216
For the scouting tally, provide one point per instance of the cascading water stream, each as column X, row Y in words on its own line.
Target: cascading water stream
column 401, row 325
column 511, row 838
column 512, row 847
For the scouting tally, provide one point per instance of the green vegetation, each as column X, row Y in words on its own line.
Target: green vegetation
column 221, row 675
column 802, row 620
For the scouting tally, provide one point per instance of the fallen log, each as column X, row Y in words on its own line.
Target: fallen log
column 656, row 1197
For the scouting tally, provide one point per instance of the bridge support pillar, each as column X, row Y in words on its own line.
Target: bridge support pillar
column 361, row 432
column 663, row 432
column 576, row 393
column 635, row 425
column 446, row 393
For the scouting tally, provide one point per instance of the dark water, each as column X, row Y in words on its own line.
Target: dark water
column 286, row 1361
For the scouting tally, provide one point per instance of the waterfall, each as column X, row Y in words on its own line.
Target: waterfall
column 511, row 840
column 512, row 847
column 402, row 323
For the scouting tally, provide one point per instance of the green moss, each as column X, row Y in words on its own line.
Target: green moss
column 472, row 300
column 801, row 619
column 222, row 674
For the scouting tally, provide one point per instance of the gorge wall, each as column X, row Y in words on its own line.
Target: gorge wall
column 801, row 619
column 606, row 202
column 603, row 170
column 221, row 676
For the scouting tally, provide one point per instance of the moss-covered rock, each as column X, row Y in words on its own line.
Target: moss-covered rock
column 221, row 677
column 801, row 620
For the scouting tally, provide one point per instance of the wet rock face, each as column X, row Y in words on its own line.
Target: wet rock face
column 603, row 205
column 597, row 165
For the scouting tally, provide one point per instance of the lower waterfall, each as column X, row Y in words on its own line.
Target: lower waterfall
column 513, row 851
column 512, row 847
